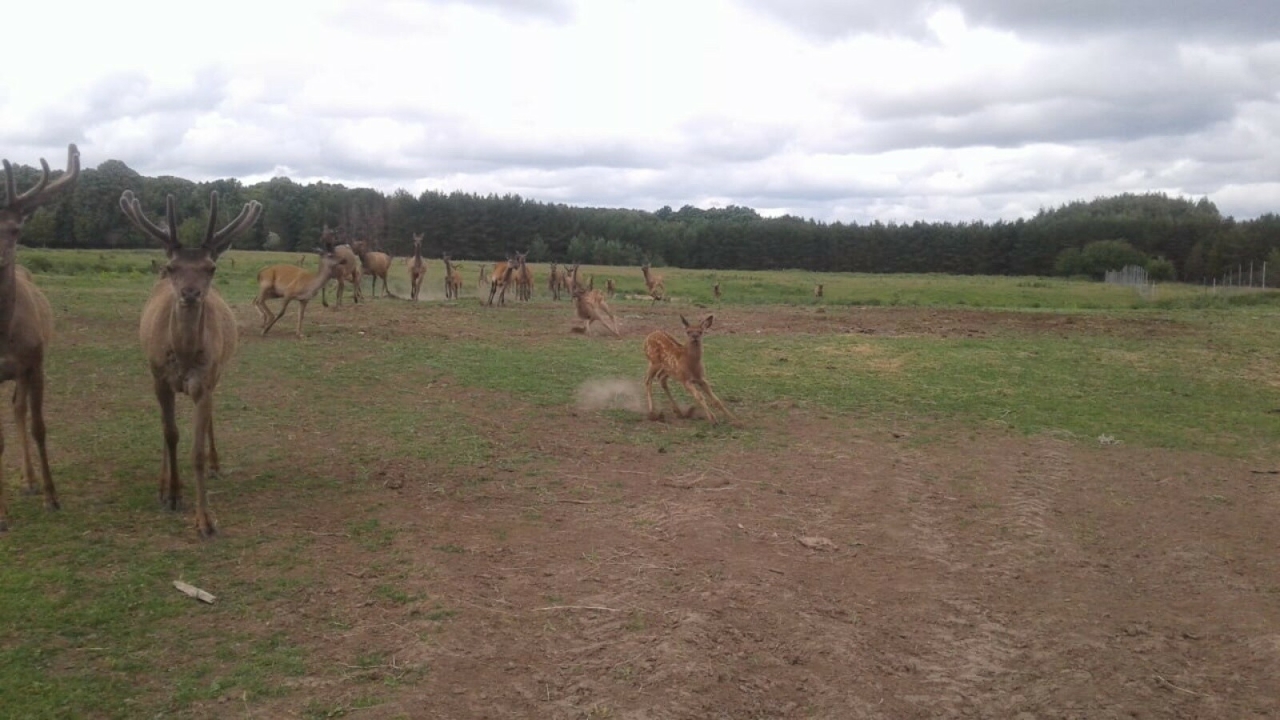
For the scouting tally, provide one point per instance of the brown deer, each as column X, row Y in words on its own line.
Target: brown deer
column 653, row 282
column 523, row 279
column 26, row 324
column 293, row 283
column 715, row 290
column 504, row 274
column 557, row 281
column 609, row 288
column 417, row 268
column 348, row 268
column 484, row 279
column 590, row 306
column 817, row 291
column 669, row 359
column 452, row 278
column 376, row 265
column 188, row 334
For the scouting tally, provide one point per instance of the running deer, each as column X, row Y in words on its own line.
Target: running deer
column 504, row 275
column 26, row 324
column 376, row 265
column 188, row 335
column 293, row 283
column 653, row 282
column 417, row 268
column 590, row 306
column 669, row 359
column 452, row 278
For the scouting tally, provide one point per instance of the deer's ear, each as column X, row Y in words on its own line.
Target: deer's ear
column 686, row 322
column 707, row 323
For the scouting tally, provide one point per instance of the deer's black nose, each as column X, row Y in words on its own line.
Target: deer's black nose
column 190, row 296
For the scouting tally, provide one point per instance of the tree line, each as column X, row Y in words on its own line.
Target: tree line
column 1176, row 238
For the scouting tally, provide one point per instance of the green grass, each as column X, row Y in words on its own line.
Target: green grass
column 86, row 603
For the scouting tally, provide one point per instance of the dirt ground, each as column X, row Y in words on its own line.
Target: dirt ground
column 830, row 571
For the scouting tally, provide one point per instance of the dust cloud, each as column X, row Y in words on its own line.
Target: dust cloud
column 611, row 393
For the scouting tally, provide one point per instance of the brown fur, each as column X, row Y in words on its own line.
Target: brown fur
column 452, row 278
column 376, row 265
column 590, row 306
column 188, row 334
column 348, row 268
column 817, row 291
column 504, row 275
column 609, row 288
column 715, row 290
column 292, row 283
column 26, row 326
column 669, row 359
column 417, row 268
column 557, row 281
column 653, row 282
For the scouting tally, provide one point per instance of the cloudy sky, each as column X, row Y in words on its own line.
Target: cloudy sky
column 846, row 110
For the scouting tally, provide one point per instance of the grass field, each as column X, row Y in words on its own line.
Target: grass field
column 1031, row 493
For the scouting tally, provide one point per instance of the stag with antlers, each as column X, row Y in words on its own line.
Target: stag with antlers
column 188, row 334
column 669, row 359
column 417, row 268
column 26, row 325
column 653, row 282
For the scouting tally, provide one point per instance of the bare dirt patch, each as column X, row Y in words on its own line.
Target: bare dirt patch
column 829, row 572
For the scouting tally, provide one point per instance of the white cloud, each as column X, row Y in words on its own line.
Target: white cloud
column 834, row 109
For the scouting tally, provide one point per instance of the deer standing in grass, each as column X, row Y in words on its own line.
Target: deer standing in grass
column 609, row 288
column 817, row 291
column 452, row 278
column 348, row 268
column 522, row 276
column 715, row 290
column 376, row 265
column 590, row 306
column 417, row 268
column 557, row 281
column 653, row 282
column 293, row 283
column 188, row 334
column 26, row 325
column 669, row 359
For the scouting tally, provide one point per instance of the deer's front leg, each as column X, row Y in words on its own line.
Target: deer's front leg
column 205, row 526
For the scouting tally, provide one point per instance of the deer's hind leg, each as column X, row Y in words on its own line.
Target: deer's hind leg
column 648, row 391
column 29, row 398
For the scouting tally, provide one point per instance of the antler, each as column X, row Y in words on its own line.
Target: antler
column 27, row 202
column 132, row 208
column 214, row 241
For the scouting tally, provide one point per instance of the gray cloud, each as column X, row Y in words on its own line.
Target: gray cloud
column 1249, row 20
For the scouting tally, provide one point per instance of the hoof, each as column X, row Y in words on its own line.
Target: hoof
column 657, row 417
column 208, row 533
column 52, row 504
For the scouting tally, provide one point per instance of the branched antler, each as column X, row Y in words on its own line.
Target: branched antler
column 27, row 202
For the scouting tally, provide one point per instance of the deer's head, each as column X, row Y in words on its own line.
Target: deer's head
column 694, row 332
column 417, row 242
column 17, row 208
column 190, row 270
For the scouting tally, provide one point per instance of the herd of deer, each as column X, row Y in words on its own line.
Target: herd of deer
column 189, row 333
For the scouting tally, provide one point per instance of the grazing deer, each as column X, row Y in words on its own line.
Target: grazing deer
column 452, row 278
column 504, row 274
column 817, row 291
column 609, row 288
column 188, row 334
column 348, row 268
column 669, row 359
column 376, row 265
column 715, row 290
column 417, row 268
column 653, row 282
column 293, row 283
column 26, row 324
column 590, row 306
